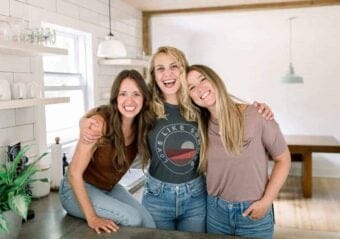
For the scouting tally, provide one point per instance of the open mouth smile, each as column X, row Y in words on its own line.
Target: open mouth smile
column 205, row 95
column 129, row 108
column 169, row 83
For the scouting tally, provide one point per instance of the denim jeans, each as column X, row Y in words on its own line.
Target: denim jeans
column 225, row 217
column 117, row 204
column 179, row 207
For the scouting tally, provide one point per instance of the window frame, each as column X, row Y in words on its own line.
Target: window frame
column 82, row 50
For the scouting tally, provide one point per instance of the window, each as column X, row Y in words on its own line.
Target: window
column 67, row 76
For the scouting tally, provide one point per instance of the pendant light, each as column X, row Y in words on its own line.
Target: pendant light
column 110, row 47
column 291, row 77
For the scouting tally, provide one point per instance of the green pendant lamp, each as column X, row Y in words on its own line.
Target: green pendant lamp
column 291, row 77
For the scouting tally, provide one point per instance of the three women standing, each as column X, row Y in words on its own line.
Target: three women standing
column 175, row 191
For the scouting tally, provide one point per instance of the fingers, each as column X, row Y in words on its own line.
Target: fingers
column 85, row 123
column 113, row 226
column 89, row 137
column 264, row 110
column 251, row 212
column 256, row 211
column 93, row 122
column 90, row 132
column 108, row 228
column 97, row 229
column 247, row 212
column 268, row 114
column 106, row 225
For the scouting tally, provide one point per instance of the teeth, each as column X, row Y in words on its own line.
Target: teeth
column 205, row 95
column 169, row 81
column 129, row 108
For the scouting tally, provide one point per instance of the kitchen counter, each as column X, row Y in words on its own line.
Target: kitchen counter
column 51, row 221
column 140, row 233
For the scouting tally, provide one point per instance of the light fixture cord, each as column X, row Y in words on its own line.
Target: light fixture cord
column 290, row 38
column 110, row 34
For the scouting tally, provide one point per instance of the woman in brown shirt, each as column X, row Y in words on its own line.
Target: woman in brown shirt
column 235, row 141
column 90, row 190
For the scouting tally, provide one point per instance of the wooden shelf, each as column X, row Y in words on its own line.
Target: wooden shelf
column 125, row 62
column 22, row 103
column 28, row 49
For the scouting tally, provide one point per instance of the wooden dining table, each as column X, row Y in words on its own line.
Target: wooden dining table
column 303, row 146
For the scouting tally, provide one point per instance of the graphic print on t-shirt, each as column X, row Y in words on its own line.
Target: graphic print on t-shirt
column 176, row 146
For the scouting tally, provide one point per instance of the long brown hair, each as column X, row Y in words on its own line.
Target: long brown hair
column 141, row 123
column 230, row 118
column 157, row 104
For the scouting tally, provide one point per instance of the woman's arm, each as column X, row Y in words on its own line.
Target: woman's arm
column 80, row 161
column 264, row 110
column 279, row 175
column 89, row 131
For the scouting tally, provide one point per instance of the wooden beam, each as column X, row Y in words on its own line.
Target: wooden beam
column 146, row 33
column 248, row 7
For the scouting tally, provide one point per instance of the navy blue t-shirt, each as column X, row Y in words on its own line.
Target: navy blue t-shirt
column 174, row 146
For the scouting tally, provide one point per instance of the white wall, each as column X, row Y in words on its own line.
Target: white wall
column 250, row 51
column 85, row 15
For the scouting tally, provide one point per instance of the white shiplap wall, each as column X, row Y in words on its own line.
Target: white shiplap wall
column 85, row 15
column 249, row 50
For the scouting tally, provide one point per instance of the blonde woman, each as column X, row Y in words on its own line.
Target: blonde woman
column 234, row 145
column 174, row 193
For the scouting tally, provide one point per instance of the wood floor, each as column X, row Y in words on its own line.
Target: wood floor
column 296, row 217
column 319, row 213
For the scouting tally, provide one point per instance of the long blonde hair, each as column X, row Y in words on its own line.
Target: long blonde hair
column 230, row 118
column 157, row 103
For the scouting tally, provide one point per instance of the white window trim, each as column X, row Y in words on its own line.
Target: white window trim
column 85, row 70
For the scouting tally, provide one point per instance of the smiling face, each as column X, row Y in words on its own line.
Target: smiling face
column 129, row 99
column 167, row 74
column 201, row 90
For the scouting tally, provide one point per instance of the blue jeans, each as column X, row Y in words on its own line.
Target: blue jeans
column 225, row 217
column 179, row 207
column 117, row 204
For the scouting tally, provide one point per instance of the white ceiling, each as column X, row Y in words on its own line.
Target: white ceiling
column 156, row 5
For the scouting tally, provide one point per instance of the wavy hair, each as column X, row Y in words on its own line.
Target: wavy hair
column 157, row 104
column 141, row 123
column 230, row 118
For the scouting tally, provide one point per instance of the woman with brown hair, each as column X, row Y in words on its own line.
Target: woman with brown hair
column 90, row 190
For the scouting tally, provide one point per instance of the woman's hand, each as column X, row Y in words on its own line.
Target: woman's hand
column 264, row 110
column 257, row 209
column 102, row 224
column 90, row 131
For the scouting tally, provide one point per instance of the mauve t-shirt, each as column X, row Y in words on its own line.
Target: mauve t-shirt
column 243, row 177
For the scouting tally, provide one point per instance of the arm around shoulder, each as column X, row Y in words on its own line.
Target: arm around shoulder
column 84, row 151
column 89, row 127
